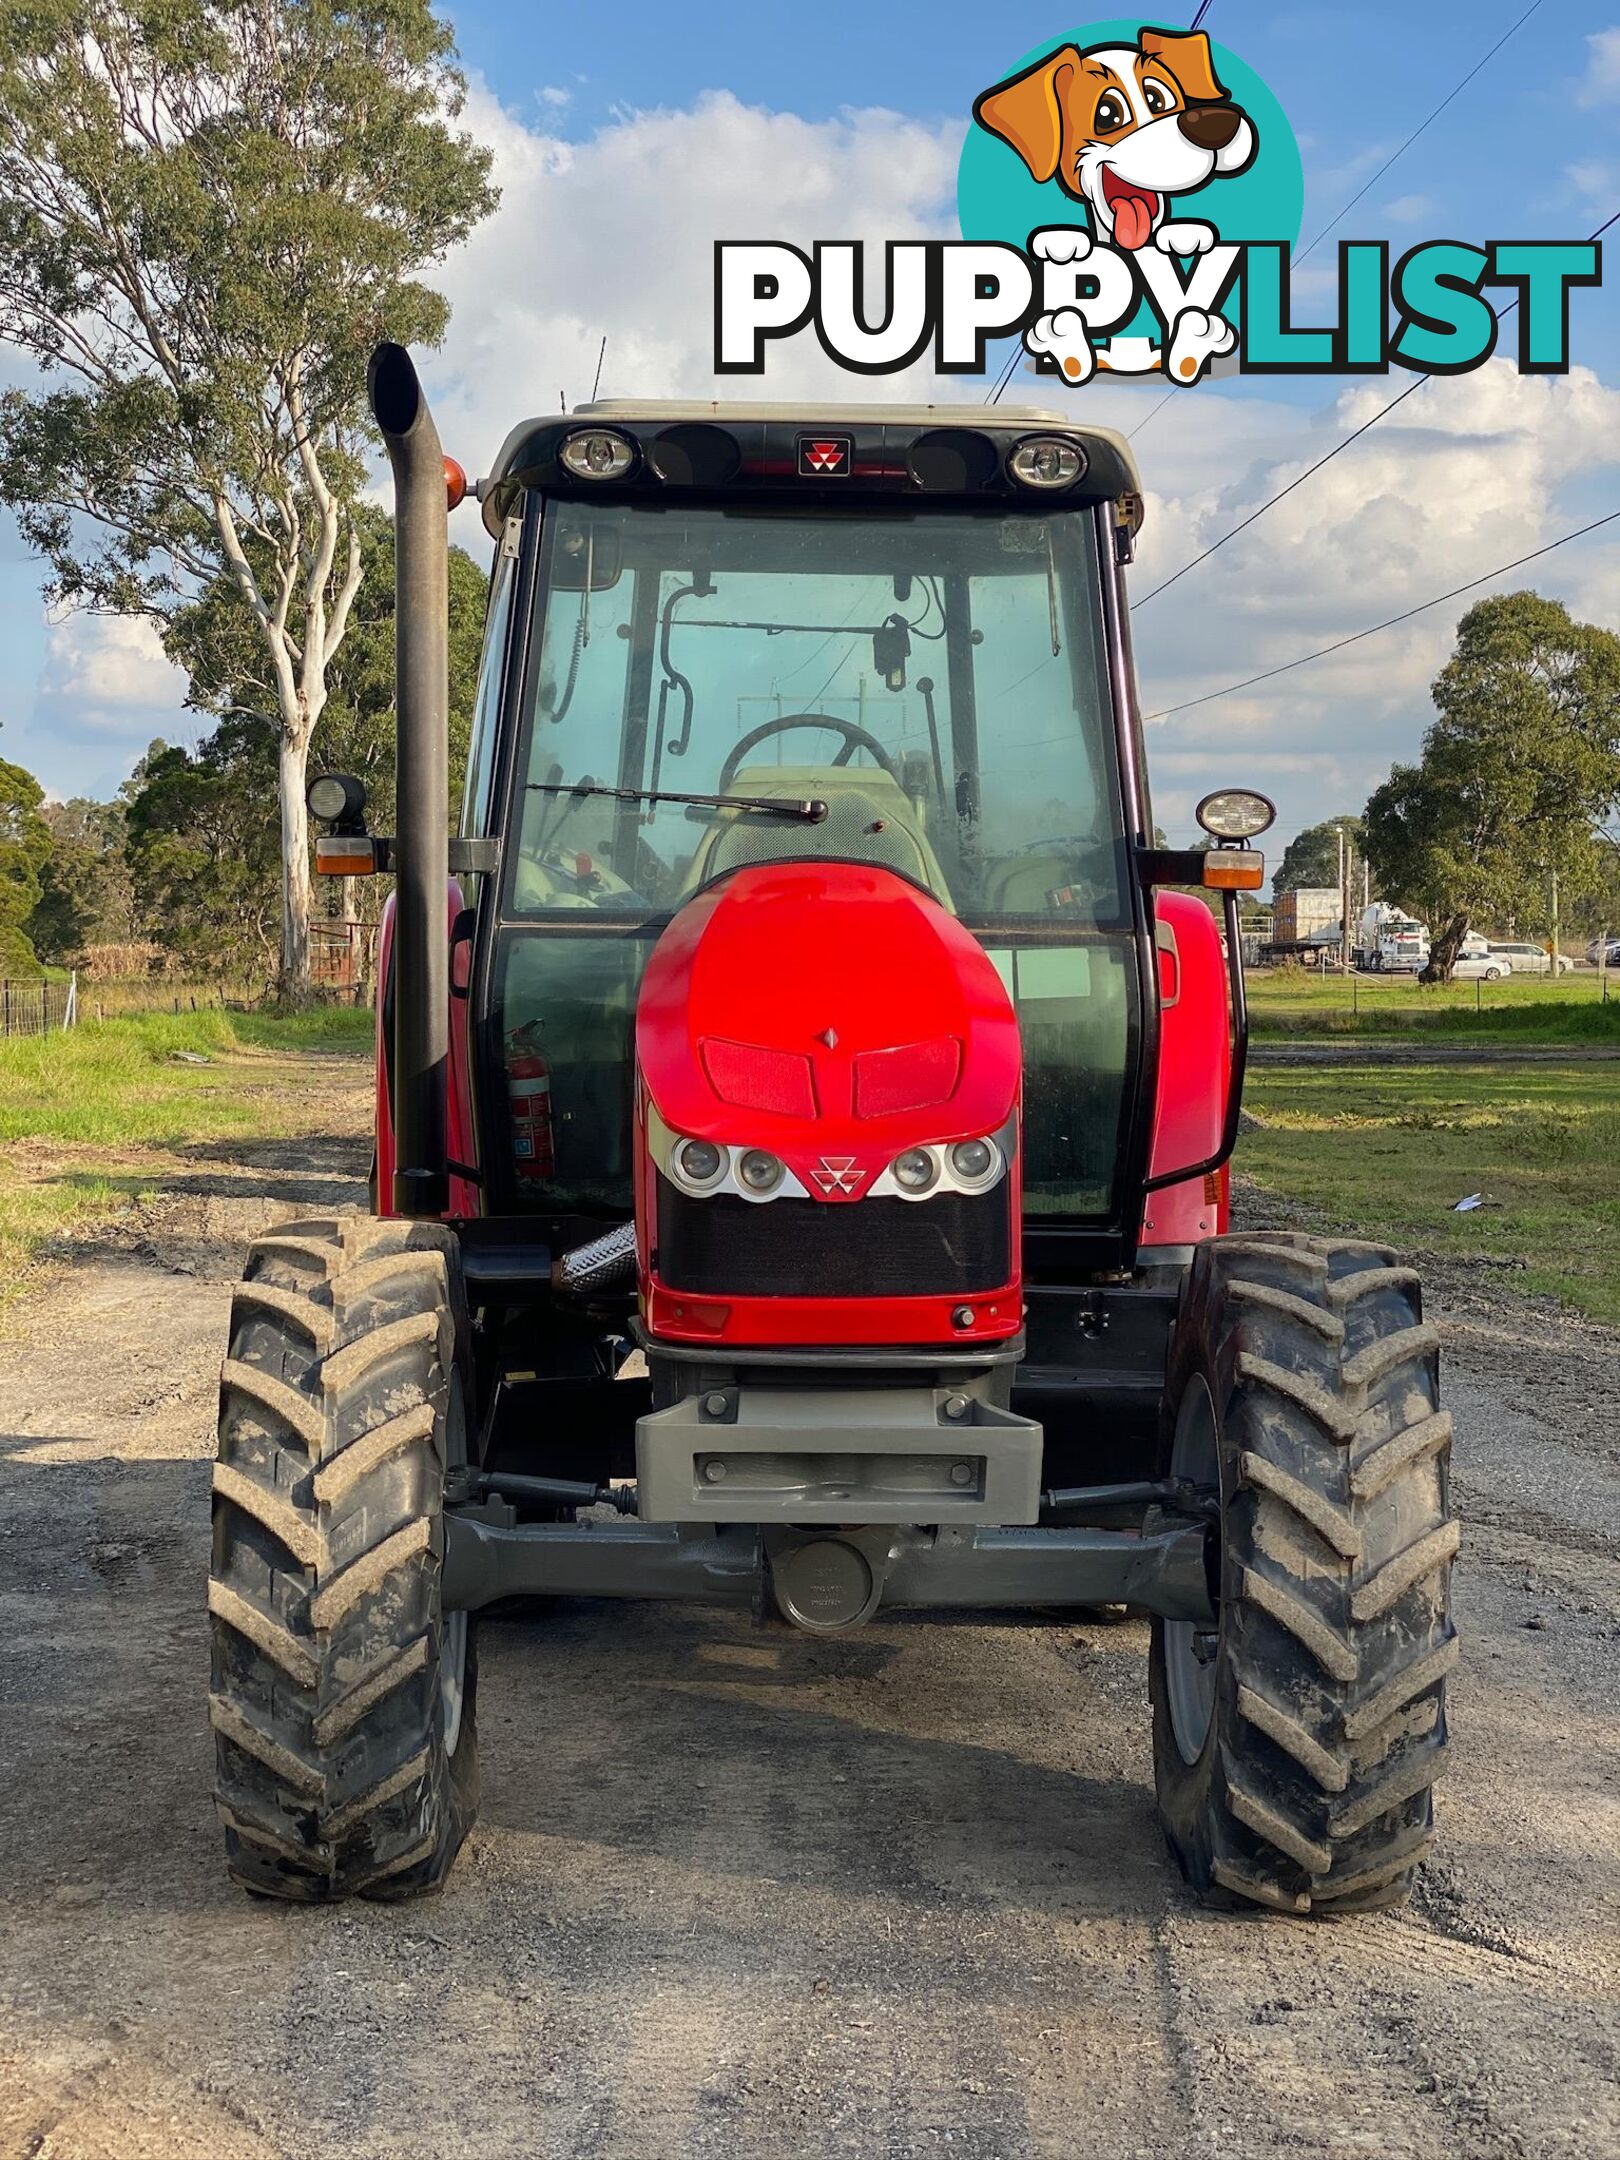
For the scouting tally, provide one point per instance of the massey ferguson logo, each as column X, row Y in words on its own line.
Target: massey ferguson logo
column 824, row 457
column 838, row 1174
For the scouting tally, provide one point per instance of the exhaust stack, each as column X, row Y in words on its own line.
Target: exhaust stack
column 422, row 766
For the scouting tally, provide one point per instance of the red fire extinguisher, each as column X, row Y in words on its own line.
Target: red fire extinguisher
column 528, row 1084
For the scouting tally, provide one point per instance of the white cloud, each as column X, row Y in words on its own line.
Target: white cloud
column 1592, row 179
column 1410, row 209
column 616, row 234
column 1466, row 476
column 1601, row 83
column 106, row 681
column 554, row 95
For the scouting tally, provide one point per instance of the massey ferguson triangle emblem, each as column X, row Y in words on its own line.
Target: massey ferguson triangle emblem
column 838, row 1173
column 824, row 457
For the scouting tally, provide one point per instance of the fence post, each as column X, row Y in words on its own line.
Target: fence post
column 8, row 1008
column 70, row 1011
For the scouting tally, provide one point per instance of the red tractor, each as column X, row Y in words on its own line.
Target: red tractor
column 805, row 1095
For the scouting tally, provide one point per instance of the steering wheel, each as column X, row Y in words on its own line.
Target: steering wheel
column 855, row 738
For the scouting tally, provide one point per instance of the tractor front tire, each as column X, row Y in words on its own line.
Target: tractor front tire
column 1297, row 1742
column 342, row 1695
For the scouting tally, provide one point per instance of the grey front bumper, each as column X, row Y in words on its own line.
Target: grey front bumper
column 913, row 1454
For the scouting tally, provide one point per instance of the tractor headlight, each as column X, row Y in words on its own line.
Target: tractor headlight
column 598, row 454
column 761, row 1171
column 698, row 1164
column 915, row 1170
column 976, row 1163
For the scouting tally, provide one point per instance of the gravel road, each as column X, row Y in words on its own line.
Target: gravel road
column 752, row 1894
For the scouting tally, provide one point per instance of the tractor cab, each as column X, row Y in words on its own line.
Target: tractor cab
column 805, row 1091
column 727, row 637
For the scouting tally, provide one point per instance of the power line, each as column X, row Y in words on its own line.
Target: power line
column 1418, row 383
column 1372, row 183
column 1006, row 375
column 1132, row 433
column 1203, row 10
column 1418, row 130
column 1410, row 391
column 1422, row 607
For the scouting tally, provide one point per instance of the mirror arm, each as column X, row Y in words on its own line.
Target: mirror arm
column 1170, row 866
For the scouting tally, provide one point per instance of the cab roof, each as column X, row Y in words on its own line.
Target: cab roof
column 1108, row 448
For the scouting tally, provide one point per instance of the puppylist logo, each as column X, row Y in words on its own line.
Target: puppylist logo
column 1129, row 197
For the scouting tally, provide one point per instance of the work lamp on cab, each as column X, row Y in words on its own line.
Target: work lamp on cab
column 1235, row 814
column 1046, row 461
column 335, row 798
column 598, row 454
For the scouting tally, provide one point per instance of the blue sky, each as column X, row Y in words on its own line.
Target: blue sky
column 624, row 154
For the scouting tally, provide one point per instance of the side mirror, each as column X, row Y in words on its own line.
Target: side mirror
column 891, row 647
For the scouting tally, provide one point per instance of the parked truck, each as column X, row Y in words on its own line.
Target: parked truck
column 1389, row 939
column 1305, row 925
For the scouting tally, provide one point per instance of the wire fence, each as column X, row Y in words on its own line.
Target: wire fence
column 142, row 994
column 37, row 1008
column 342, row 970
column 1292, row 999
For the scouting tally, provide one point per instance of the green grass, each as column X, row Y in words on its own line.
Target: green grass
column 1388, row 1155
column 78, row 1107
column 1535, row 1009
column 122, row 1081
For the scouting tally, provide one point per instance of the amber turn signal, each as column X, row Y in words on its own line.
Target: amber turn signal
column 345, row 855
column 455, row 483
column 1234, row 869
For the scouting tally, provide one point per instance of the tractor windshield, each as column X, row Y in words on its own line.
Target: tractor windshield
column 934, row 677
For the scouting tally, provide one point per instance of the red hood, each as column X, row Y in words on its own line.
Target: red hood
column 825, row 1008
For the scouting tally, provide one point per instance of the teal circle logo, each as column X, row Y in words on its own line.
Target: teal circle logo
column 1128, row 131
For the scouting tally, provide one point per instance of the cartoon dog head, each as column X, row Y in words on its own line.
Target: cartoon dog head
column 1123, row 127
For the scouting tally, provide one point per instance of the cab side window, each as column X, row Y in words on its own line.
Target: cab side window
column 475, row 808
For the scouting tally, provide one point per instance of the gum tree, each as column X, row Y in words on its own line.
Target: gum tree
column 1518, row 770
column 210, row 210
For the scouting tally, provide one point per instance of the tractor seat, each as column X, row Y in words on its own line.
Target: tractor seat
column 870, row 819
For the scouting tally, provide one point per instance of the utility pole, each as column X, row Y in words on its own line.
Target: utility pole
column 1346, row 863
column 1555, row 925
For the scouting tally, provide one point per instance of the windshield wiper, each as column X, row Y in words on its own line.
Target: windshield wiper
column 811, row 811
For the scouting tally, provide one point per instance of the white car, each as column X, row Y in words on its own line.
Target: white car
column 1531, row 959
column 1481, row 967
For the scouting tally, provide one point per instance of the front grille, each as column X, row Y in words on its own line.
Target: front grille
column 954, row 1244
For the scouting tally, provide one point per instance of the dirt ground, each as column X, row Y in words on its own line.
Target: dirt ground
column 753, row 1894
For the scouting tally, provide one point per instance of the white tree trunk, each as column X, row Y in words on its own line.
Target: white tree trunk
column 296, row 894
